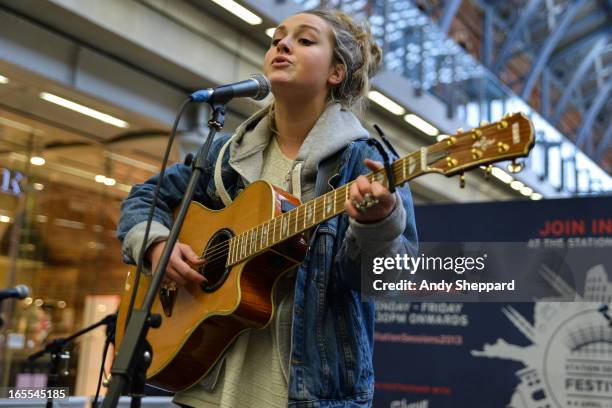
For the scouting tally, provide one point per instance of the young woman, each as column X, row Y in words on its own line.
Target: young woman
column 318, row 350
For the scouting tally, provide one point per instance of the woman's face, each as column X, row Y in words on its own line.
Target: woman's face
column 300, row 58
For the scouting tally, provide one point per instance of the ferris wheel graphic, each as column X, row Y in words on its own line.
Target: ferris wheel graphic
column 569, row 361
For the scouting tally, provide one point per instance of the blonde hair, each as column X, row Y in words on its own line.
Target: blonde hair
column 356, row 50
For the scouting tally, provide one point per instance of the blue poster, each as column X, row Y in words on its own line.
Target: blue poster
column 544, row 354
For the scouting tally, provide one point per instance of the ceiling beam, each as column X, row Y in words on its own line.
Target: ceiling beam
column 549, row 46
column 577, row 77
column 488, row 34
column 513, row 36
column 545, row 93
column 588, row 23
column 603, row 144
column 450, row 9
column 576, row 46
column 587, row 122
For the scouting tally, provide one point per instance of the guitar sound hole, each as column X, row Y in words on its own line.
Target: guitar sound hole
column 216, row 253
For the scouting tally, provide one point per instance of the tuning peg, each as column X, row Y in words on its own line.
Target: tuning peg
column 488, row 171
column 503, row 147
column 462, row 180
column 515, row 167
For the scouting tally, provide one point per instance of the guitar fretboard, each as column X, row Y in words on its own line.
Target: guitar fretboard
column 317, row 210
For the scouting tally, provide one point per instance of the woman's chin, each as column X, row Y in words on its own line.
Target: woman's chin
column 282, row 85
column 279, row 79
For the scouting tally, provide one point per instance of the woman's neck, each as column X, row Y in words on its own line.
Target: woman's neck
column 294, row 122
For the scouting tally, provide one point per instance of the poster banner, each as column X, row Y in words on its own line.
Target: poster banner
column 544, row 354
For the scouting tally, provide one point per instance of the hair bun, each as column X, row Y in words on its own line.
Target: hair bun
column 355, row 48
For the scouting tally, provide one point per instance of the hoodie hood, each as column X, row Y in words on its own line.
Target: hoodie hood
column 335, row 129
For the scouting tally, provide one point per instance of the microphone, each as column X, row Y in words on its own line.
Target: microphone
column 256, row 87
column 18, row 292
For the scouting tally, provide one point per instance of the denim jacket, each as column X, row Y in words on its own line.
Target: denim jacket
column 333, row 330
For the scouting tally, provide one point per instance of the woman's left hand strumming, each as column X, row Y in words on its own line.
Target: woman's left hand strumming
column 369, row 201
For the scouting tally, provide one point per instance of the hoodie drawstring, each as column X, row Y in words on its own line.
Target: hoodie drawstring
column 221, row 191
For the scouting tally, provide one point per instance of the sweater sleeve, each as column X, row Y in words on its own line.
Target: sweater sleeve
column 394, row 235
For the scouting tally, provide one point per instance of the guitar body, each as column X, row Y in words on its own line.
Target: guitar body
column 200, row 322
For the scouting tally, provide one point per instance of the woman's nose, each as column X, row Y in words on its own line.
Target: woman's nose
column 284, row 45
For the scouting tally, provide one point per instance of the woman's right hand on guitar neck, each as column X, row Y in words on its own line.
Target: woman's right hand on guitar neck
column 179, row 268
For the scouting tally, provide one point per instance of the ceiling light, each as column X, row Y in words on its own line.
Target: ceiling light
column 38, row 186
column 239, row 11
column 100, row 178
column 3, row 79
column 501, row 175
column 526, row 191
column 37, row 160
column 517, row 185
column 270, row 32
column 5, row 218
column 111, row 120
column 421, row 124
column 109, row 181
column 536, row 196
column 386, row 103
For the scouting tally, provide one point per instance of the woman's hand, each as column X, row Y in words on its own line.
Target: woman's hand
column 178, row 269
column 369, row 202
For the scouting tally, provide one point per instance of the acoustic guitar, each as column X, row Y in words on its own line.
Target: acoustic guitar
column 251, row 243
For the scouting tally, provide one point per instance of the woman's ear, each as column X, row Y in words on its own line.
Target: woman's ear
column 336, row 75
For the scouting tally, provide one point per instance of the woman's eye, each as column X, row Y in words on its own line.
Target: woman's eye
column 276, row 41
column 306, row 41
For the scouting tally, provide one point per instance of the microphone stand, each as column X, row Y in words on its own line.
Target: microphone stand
column 135, row 354
column 57, row 346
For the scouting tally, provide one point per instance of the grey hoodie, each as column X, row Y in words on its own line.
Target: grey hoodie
column 334, row 130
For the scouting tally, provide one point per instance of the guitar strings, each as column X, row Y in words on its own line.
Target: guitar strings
column 221, row 251
column 398, row 166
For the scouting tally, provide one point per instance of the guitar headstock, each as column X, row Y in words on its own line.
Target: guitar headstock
column 507, row 139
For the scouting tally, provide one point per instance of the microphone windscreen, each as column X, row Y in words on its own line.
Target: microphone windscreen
column 23, row 291
column 264, row 86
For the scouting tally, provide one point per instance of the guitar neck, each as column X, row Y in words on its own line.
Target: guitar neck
column 324, row 207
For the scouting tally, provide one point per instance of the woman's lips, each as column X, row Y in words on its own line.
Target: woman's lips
column 281, row 64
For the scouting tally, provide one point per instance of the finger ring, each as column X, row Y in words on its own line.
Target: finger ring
column 359, row 206
column 171, row 286
column 369, row 201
